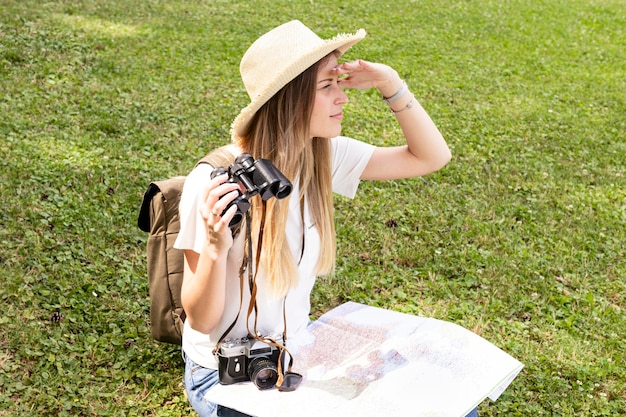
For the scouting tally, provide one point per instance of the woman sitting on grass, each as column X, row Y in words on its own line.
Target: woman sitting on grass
column 296, row 85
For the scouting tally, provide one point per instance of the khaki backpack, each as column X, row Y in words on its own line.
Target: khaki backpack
column 159, row 217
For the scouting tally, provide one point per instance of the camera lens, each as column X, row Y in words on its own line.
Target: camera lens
column 263, row 373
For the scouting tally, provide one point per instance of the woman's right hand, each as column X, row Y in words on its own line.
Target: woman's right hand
column 215, row 198
column 204, row 283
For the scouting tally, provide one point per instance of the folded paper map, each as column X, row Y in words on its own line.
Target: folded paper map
column 365, row 361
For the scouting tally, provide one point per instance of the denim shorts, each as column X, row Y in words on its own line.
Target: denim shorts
column 198, row 381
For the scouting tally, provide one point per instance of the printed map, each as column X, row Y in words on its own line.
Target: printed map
column 366, row 361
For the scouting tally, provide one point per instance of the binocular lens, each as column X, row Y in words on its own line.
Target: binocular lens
column 282, row 190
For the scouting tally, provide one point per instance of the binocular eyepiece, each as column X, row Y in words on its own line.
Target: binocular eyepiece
column 258, row 177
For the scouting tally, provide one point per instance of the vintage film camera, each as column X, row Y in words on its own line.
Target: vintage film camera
column 248, row 359
column 258, row 177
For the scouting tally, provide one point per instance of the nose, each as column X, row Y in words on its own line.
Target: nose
column 342, row 98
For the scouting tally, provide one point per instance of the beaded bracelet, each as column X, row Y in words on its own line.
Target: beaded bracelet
column 401, row 92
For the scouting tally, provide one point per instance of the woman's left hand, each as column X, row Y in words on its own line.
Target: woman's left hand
column 362, row 74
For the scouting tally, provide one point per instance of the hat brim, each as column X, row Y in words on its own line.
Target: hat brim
column 289, row 72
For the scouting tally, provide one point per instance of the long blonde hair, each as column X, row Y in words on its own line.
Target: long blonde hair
column 280, row 132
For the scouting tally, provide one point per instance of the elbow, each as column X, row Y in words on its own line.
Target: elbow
column 199, row 326
column 202, row 320
column 201, row 316
column 442, row 159
column 446, row 157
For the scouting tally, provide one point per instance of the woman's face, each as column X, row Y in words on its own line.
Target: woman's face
column 329, row 100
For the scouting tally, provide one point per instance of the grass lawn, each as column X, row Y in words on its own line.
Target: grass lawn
column 520, row 238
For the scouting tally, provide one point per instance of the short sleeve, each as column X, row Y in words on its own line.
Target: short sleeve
column 192, row 234
column 350, row 157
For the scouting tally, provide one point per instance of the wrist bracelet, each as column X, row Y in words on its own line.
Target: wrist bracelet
column 402, row 91
column 408, row 106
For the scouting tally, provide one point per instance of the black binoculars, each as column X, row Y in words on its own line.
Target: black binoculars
column 258, row 177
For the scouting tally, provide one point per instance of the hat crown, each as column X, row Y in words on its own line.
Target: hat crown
column 274, row 53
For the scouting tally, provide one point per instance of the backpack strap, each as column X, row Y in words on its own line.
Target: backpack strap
column 220, row 157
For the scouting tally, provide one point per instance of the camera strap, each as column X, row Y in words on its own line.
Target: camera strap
column 246, row 265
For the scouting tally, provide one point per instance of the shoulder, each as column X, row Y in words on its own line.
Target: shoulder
column 340, row 142
column 200, row 174
column 344, row 143
column 345, row 149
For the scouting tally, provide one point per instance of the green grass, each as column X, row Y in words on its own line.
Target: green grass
column 520, row 238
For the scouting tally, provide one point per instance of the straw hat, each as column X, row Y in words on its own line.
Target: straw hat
column 279, row 56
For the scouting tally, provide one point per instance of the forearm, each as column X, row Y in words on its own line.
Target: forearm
column 204, row 288
column 423, row 139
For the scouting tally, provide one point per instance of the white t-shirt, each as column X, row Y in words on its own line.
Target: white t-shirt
column 349, row 158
